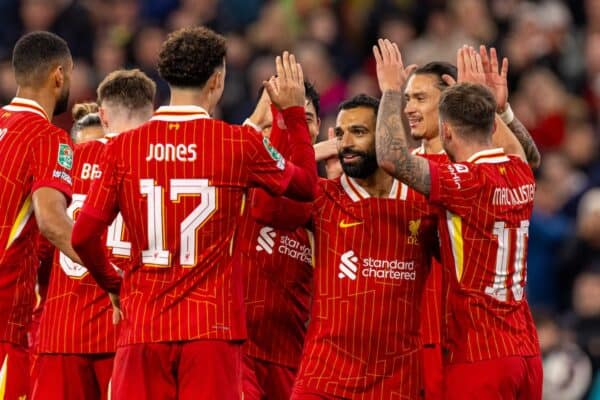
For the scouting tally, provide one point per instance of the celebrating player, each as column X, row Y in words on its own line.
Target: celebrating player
column 371, row 239
column 179, row 182
column 492, row 347
column 421, row 95
column 35, row 176
column 278, row 285
column 77, row 339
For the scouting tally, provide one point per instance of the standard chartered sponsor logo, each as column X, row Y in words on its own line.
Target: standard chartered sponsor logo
column 375, row 268
column 267, row 238
column 348, row 265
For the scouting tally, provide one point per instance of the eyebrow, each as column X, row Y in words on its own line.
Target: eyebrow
column 414, row 94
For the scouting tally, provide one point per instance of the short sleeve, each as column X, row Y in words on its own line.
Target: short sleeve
column 101, row 201
column 52, row 161
column 454, row 185
column 265, row 166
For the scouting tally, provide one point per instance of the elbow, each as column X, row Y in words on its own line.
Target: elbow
column 535, row 161
column 48, row 228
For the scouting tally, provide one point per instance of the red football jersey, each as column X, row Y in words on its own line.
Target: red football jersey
column 278, row 288
column 77, row 316
column 431, row 317
column 371, row 262
column 180, row 183
column 33, row 154
column 488, row 201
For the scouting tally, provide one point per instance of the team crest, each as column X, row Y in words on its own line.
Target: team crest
column 274, row 154
column 65, row 156
column 413, row 228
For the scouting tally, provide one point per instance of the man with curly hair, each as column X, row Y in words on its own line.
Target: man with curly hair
column 180, row 182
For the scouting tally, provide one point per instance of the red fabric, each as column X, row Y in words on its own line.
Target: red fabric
column 488, row 201
column 85, row 240
column 29, row 149
column 78, row 315
column 371, row 264
column 16, row 370
column 518, row 378
column 278, row 286
column 185, row 272
column 264, row 380
column 300, row 394
column 72, row 377
column 211, row 369
column 433, row 371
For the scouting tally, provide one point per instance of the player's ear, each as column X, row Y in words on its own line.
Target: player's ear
column 103, row 117
column 58, row 76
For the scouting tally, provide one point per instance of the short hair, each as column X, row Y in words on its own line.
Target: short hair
column 190, row 56
column 470, row 108
column 361, row 100
column 439, row 69
column 84, row 116
column 131, row 89
column 310, row 92
column 36, row 54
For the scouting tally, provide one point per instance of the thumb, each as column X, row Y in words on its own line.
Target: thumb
column 270, row 89
column 330, row 133
column 410, row 69
column 448, row 79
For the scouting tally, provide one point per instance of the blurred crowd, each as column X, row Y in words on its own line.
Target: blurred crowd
column 554, row 77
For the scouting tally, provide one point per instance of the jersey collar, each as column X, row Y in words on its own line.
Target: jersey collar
column 357, row 193
column 19, row 104
column 421, row 150
column 491, row 156
column 179, row 113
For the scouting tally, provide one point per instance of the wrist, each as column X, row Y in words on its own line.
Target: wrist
column 253, row 124
column 507, row 116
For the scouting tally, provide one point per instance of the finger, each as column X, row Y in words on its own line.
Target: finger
column 485, row 60
column 460, row 65
column 270, row 88
column 293, row 68
column 473, row 59
column 494, row 60
column 300, row 74
column 504, row 71
column 448, row 79
column 410, row 69
column 385, row 54
column 479, row 63
column 398, row 54
column 330, row 133
column 377, row 55
column 286, row 66
column 279, row 67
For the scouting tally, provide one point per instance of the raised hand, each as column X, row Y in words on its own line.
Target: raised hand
column 470, row 66
column 495, row 78
column 287, row 88
column 391, row 73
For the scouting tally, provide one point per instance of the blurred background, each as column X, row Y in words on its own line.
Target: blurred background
column 554, row 78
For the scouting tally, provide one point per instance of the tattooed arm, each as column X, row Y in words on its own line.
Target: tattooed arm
column 495, row 79
column 524, row 137
column 393, row 154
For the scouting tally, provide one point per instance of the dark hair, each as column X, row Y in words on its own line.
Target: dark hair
column 361, row 100
column 36, row 54
column 438, row 68
column 470, row 108
column 310, row 92
column 190, row 56
column 131, row 89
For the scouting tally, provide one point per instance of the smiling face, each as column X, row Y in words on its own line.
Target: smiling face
column 422, row 96
column 355, row 131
